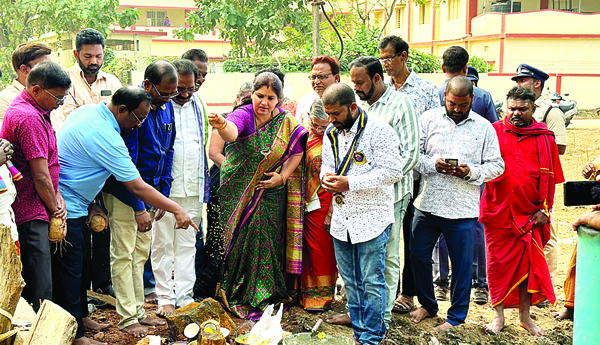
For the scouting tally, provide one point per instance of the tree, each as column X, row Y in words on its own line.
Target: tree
column 253, row 27
column 21, row 20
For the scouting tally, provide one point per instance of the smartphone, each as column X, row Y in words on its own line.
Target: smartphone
column 581, row 193
column 452, row 161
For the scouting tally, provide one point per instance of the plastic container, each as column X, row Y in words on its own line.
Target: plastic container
column 587, row 286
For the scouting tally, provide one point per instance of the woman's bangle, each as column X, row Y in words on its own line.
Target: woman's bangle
column 283, row 177
column 222, row 127
column 139, row 213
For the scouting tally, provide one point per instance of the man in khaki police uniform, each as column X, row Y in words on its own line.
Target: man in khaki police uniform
column 533, row 78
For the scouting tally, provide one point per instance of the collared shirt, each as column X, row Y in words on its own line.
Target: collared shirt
column 423, row 92
column 90, row 150
column 483, row 104
column 27, row 126
column 83, row 93
column 151, row 150
column 7, row 95
column 398, row 110
column 473, row 142
column 188, row 162
column 555, row 120
column 304, row 104
column 368, row 207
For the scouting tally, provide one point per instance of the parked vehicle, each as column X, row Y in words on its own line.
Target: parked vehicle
column 567, row 106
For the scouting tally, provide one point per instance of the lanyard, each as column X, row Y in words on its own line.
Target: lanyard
column 341, row 167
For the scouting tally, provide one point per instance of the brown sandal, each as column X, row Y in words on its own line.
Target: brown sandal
column 403, row 304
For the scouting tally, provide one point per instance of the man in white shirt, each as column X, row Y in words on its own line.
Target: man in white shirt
column 459, row 152
column 175, row 248
column 361, row 162
column 24, row 58
column 325, row 72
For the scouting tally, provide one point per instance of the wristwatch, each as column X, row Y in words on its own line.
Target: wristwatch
column 467, row 177
column 544, row 212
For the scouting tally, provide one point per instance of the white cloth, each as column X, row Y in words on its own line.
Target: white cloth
column 368, row 207
column 175, row 249
column 304, row 104
column 188, row 162
column 473, row 142
column 7, row 216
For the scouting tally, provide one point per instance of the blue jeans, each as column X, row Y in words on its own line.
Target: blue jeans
column 460, row 237
column 362, row 266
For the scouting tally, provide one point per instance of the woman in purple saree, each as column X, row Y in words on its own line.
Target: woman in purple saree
column 261, row 200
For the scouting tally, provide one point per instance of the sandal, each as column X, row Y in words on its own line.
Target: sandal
column 403, row 304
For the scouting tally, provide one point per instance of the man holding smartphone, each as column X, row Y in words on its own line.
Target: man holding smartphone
column 515, row 210
column 459, row 151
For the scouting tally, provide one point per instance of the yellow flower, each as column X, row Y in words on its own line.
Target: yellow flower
column 321, row 335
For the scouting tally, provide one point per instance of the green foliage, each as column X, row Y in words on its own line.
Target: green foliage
column 21, row 20
column 109, row 56
column 422, row 62
column 253, row 27
column 121, row 68
column 253, row 65
column 480, row 64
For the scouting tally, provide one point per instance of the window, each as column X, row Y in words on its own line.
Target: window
column 378, row 19
column 67, row 44
column 119, row 45
column 453, row 8
column 424, row 13
column 399, row 17
column 156, row 18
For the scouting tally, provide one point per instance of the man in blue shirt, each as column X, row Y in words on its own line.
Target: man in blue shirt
column 90, row 150
column 151, row 150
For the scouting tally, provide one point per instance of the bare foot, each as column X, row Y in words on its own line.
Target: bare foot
column 564, row 314
column 496, row 325
column 527, row 323
column 165, row 310
column 339, row 319
column 136, row 330
column 419, row 314
column 443, row 327
column 151, row 298
column 87, row 341
column 93, row 325
column 151, row 321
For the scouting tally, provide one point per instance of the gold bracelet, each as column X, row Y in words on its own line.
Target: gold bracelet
column 139, row 213
column 222, row 127
column 283, row 177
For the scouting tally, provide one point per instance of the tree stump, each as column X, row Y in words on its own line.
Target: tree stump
column 10, row 276
column 198, row 313
column 52, row 325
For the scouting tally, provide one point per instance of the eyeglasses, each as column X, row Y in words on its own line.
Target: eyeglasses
column 137, row 118
column 316, row 127
column 192, row 89
column 319, row 76
column 59, row 101
column 160, row 95
column 388, row 60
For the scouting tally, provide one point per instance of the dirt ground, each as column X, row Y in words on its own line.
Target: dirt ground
column 583, row 147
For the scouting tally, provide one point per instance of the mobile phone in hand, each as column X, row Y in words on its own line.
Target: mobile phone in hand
column 452, row 161
column 580, row 193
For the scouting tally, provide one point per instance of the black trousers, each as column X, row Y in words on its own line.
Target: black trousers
column 70, row 280
column 35, row 258
column 407, row 285
column 100, row 260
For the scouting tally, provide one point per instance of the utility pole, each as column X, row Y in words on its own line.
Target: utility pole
column 316, row 23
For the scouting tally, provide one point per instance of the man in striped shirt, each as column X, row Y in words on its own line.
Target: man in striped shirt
column 399, row 111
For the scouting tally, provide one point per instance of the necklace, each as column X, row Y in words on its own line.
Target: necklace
column 256, row 129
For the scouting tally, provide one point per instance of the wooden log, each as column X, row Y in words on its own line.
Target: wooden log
column 52, row 325
column 12, row 282
column 198, row 313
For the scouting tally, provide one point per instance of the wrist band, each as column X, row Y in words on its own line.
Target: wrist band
column 139, row 213
column 222, row 127
column 283, row 177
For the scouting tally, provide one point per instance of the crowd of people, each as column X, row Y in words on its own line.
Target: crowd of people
column 297, row 193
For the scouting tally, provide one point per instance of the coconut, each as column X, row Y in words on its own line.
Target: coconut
column 56, row 232
column 97, row 223
column 191, row 331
